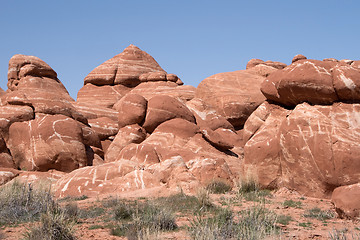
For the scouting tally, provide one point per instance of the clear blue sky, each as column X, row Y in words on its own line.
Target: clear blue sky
column 193, row 39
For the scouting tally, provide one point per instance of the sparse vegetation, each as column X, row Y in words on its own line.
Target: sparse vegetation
column 249, row 189
column 343, row 234
column 218, row 187
column 253, row 223
column 319, row 214
column 204, row 198
column 292, row 203
column 54, row 225
column 284, row 219
column 20, row 202
column 147, row 218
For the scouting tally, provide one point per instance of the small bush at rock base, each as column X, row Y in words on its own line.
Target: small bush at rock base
column 218, row 187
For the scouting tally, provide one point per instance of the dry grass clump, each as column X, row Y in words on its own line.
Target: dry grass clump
column 253, row 223
column 144, row 221
column 218, row 187
column 55, row 224
column 21, row 202
column 319, row 214
column 343, row 234
column 249, row 189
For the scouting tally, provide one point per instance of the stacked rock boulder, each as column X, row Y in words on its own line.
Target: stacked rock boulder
column 166, row 140
column 305, row 135
column 39, row 126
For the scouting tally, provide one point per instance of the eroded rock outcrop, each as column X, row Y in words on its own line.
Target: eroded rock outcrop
column 40, row 127
column 234, row 95
column 309, row 148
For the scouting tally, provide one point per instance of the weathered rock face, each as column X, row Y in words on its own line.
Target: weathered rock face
column 163, row 108
column 313, row 81
column 234, row 95
column 104, row 127
column 124, row 69
column 347, row 201
column 316, row 143
column 174, row 155
column 206, row 116
column 262, row 149
column 151, row 89
column 47, row 142
column 101, row 96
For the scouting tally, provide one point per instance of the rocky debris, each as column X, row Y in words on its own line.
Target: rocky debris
column 234, row 95
column 312, row 81
column 47, row 142
column 162, row 108
column 132, row 110
column 125, row 68
column 298, row 57
column 347, row 201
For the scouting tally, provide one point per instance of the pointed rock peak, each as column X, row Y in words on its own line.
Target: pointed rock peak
column 125, row 68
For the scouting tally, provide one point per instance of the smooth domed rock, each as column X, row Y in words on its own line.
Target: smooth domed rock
column 162, row 108
column 303, row 81
column 253, row 62
column 48, row 142
column 29, row 72
column 132, row 110
column 347, row 201
column 125, row 68
column 234, row 95
column 330, row 60
column 298, row 57
column 263, row 70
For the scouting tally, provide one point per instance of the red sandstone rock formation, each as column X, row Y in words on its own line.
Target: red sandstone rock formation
column 234, row 95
